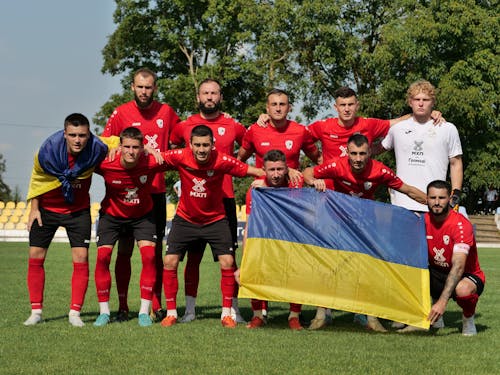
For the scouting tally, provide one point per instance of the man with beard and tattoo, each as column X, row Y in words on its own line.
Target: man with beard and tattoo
column 156, row 121
column 226, row 132
column 453, row 262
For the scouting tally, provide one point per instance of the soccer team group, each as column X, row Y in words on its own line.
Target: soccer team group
column 144, row 138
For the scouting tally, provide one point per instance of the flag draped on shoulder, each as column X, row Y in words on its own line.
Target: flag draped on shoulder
column 51, row 166
column 334, row 250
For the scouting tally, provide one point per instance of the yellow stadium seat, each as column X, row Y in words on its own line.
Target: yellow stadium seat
column 9, row 226
column 24, row 219
column 4, row 218
column 243, row 213
column 6, row 212
column 2, row 205
column 21, row 226
column 17, row 212
column 170, row 211
column 10, row 204
column 21, row 205
column 14, row 219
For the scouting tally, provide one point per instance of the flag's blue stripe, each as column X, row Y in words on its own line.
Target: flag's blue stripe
column 339, row 221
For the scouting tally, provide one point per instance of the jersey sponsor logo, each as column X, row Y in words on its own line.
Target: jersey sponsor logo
column 368, row 185
column 439, row 258
column 417, row 154
column 199, row 190
column 333, row 136
column 152, row 141
column 159, row 122
column 418, row 145
column 265, row 144
column 131, row 196
column 408, row 131
column 343, row 151
column 116, row 182
column 288, row 144
column 446, row 239
column 143, row 179
column 136, row 124
column 221, row 131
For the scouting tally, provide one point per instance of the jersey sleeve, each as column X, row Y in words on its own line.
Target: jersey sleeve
column 173, row 121
column 315, row 130
column 388, row 141
column 233, row 166
column 378, row 127
column 454, row 145
column 176, row 137
column 248, row 142
column 239, row 133
column 309, row 144
column 326, row 170
column 113, row 125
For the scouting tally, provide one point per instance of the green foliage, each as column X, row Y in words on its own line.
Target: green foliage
column 311, row 47
column 5, row 192
column 204, row 347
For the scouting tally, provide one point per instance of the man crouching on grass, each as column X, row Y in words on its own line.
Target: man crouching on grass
column 453, row 261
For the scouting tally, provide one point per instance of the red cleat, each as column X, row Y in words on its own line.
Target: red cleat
column 294, row 324
column 256, row 322
column 169, row 321
column 228, row 322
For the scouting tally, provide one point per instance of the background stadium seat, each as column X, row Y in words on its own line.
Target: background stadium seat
column 21, row 226
column 170, row 211
column 2, row 205
column 9, row 226
column 10, row 204
column 21, row 205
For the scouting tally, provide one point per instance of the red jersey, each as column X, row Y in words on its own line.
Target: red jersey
column 289, row 139
column 287, row 183
column 54, row 200
column 455, row 234
column 361, row 185
column 128, row 191
column 226, row 132
column 333, row 136
column 201, row 192
column 155, row 122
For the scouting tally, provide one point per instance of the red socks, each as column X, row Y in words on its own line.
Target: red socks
column 36, row 282
column 148, row 272
column 258, row 305
column 170, row 287
column 79, row 284
column 468, row 304
column 227, row 283
column 102, row 275
column 158, row 285
column 192, row 273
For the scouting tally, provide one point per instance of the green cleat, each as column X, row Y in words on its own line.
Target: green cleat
column 101, row 320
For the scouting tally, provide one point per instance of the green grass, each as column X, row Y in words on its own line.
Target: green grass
column 204, row 347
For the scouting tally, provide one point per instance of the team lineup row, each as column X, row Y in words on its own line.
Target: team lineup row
column 134, row 205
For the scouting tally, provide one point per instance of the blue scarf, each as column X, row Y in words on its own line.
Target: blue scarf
column 53, row 158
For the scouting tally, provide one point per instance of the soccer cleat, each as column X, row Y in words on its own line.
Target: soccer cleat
column 256, row 322
column 228, row 322
column 101, row 320
column 468, row 326
column 158, row 315
column 360, row 319
column 409, row 329
column 439, row 323
column 317, row 323
column 373, row 324
column 169, row 321
column 397, row 325
column 145, row 320
column 75, row 320
column 122, row 316
column 294, row 324
column 188, row 317
column 33, row 320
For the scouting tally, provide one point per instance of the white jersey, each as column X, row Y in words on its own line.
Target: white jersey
column 423, row 153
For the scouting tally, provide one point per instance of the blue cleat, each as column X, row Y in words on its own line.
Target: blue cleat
column 102, row 320
column 145, row 320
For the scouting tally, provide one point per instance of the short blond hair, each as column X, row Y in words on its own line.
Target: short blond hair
column 421, row 86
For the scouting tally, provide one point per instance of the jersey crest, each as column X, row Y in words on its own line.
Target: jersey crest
column 446, row 239
column 159, row 122
column 289, row 144
column 368, row 185
column 221, row 130
column 143, row 179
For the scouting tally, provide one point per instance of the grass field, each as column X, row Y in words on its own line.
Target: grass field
column 204, row 347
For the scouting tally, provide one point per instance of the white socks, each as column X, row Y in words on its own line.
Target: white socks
column 145, row 305
column 35, row 318
column 104, row 308
column 74, row 318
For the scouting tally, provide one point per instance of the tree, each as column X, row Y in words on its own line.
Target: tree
column 5, row 192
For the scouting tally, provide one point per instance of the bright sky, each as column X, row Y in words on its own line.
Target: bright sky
column 50, row 67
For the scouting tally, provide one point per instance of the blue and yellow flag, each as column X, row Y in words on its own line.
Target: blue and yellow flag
column 338, row 251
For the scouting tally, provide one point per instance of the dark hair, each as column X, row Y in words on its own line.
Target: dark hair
column 344, row 92
column 76, row 119
column 146, row 72
column 210, row 80
column 358, row 139
column 202, row 131
column 439, row 184
column 277, row 92
column 274, row 155
column 131, row 133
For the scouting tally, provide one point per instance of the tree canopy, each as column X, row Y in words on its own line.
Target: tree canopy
column 5, row 192
column 310, row 48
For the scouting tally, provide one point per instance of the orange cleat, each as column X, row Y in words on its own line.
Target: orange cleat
column 256, row 322
column 169, row 321
column 228, row 322
column 294, row 324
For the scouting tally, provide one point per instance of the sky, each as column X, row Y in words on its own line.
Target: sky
column 51, row 64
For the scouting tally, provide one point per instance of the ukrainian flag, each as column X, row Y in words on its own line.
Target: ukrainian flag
column 334, row 250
